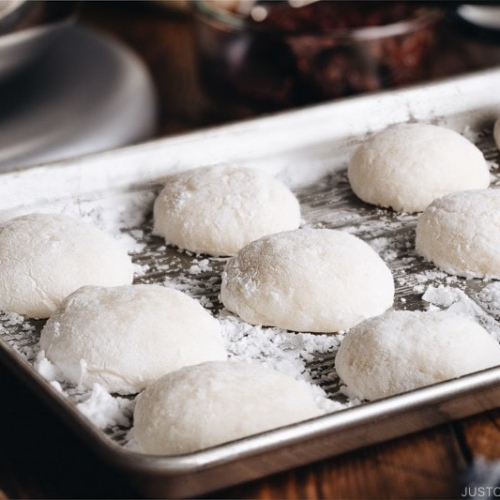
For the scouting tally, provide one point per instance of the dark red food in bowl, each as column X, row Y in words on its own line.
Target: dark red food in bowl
column 297, row 56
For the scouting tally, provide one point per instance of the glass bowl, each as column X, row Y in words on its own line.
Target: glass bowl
column 259, row 57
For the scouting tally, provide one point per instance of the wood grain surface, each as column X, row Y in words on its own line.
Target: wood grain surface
column 41, row 458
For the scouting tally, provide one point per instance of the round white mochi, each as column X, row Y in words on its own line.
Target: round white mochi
column 312, row 280
column 45, row 257
column 126, row 337
column 460, row 233
column 218, row 210
column 407, row 166
column 216, row 402
column 404, row 350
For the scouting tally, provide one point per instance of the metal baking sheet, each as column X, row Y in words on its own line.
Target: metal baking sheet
column 309, row 150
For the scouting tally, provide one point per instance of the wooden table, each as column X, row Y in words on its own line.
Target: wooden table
column 40, row 458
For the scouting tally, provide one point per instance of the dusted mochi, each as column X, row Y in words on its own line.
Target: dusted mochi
column 218, row 210
column 125, row 338
column 403, row 350
column 308, row 280
column 45, row 257
column 212, row 403
column 407, row 166
column 460, row 233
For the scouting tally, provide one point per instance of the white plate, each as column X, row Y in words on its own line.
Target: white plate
column 88, row 94
column 486, row 16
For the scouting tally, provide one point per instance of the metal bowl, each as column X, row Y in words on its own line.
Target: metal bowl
column 28, row 28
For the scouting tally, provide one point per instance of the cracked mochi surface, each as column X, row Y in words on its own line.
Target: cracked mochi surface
column 407, row 166
column 403, row 350
column 216, row 402
column 218, row 210
column 45, row 257
column 307, row 280
column 124, row 338
column 460, row 233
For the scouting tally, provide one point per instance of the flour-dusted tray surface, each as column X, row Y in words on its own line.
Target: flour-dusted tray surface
column 309, row 150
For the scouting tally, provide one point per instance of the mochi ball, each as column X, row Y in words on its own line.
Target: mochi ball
column 212, row 403
column 45, row 257
column 307, row 280
column 403, row 350
column 407, row 166
column 218, row 210
column 460, row 233
column 125, row 338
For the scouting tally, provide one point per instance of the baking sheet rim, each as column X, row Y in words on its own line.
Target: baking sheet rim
column 329, row 424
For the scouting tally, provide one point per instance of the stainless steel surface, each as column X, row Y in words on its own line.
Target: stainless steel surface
column 10, row 12
column 28, row 30
column 88, row 93
column 309, row 149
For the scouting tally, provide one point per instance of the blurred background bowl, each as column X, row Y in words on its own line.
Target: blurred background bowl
column 11, row 11
column 267, row 56
column 28, row 28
